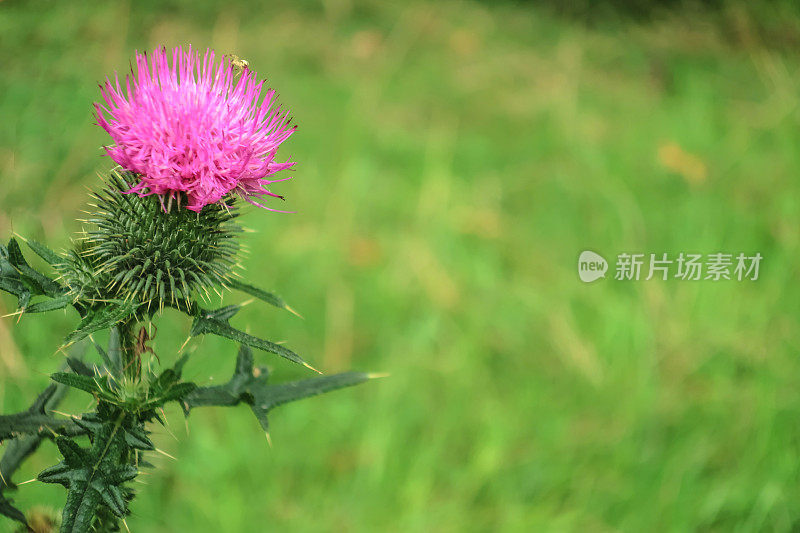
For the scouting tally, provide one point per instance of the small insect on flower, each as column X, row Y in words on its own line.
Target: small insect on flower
column 239, row 64
column 195, row 130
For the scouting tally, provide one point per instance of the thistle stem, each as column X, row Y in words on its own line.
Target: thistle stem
column 131, row 364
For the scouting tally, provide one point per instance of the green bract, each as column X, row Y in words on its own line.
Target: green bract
column 157, row 255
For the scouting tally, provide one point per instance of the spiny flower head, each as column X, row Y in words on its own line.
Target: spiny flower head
column 136, row 251
column 195, row 127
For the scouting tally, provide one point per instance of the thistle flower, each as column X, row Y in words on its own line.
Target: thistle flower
column 195, row 127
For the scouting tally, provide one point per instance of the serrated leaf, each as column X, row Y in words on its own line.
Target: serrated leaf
column 55, row 474
column 208, row 322
column 14, row 253
column 31, row 424
column 223, row 313
column 122, row 473
column 80, row 507
column 15, row 452
column 88, row 422
column 45, row 398
column 178, row 392
column 261, row 416
column 271, row 396
column 79, row 367
column 14, row 286
column 109, row 315
column 265, row 296
column 84, row 383
column 44, row 252
column 164, row 381
column 218, row 396
column 167, row 388
column 59, row 302
column 137, row 437
column 33, row 421
column 267, row 397
column 73, row 454
column 92, row 476
column 249, row 385
column 244, row 363
column 112, row 497
column 17, row 449
column 39, row 283
column 24, row 300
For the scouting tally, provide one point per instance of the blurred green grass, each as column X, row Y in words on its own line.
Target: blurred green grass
column 454, row 159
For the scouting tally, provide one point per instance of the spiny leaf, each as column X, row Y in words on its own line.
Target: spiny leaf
column 79, row 367
column 14, row 254
column 137, row 437
column 178, row 391
column 11, row 282
column 164, row 381
column 167, row 388
column 208, row 322
column 34, row 421
column 5, row 266
column 44, row 252
column 84, row 383
column 58, row 302
column 267, row 397
column 45, row 398
column 92, row 476
column 33, row 424
column 39, row 283
column 235, row 390
column 112, row 313
column 18, row 449
column 15, row 452
column 269, row 297
column 223, row 313
column 272, row 396
column 14, row 286
column 249, row 385
column 90, row 422
column 112, row 497
column 73, row 454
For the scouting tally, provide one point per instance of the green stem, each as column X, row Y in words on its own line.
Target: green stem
column 127, row 343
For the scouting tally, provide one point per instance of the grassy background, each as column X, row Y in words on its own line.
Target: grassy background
column 454, row 159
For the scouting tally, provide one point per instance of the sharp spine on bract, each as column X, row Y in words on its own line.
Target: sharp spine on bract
column 139, row 252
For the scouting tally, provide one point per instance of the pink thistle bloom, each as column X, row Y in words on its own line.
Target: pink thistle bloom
column 191, row 127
